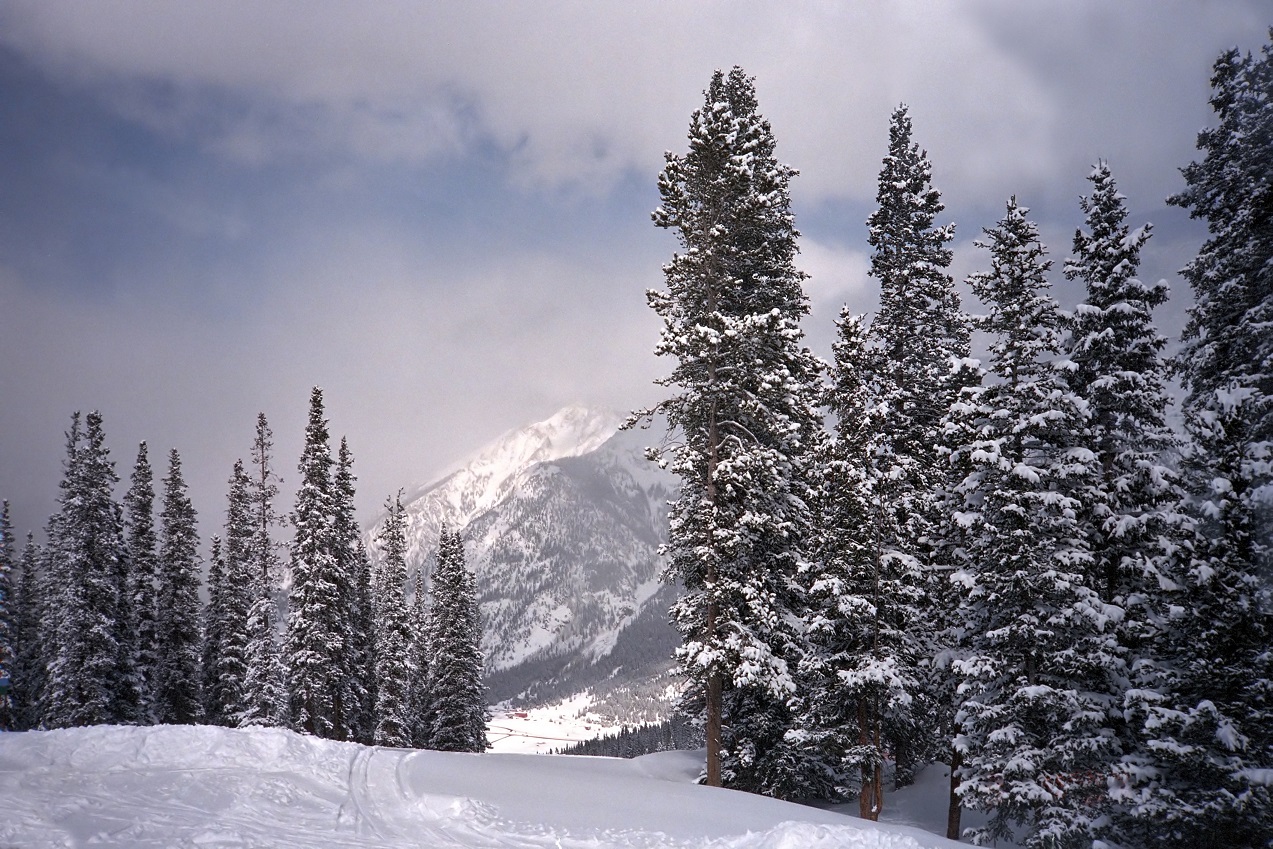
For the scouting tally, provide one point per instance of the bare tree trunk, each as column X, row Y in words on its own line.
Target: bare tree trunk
column 713, row 706
column 953, row 812
column 713, row 729
column 871, row 800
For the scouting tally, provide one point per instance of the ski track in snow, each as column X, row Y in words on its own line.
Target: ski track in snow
column 201, row 787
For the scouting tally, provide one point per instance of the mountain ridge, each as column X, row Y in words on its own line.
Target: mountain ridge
column 562, row 521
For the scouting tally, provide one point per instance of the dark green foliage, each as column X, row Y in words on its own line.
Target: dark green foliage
column 8, row 621
column 27, row 676
column 456, row 720
column 315, row 645
column 1036, row 647
column 1206, row 708
column 178, row 692
column 354, row 679
column 143, row 579
column 393, row 634
column 214, row 627
column 1120, row 373
column 230, row 676
column 85, row 553
column 420, row 708
column 264, row 682
column 675, row 734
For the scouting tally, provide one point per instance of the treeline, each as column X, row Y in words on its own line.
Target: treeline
column 103, row 623
column 669, row 735
column 1013, row 564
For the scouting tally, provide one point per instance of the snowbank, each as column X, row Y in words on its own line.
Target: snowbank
column 216, row 787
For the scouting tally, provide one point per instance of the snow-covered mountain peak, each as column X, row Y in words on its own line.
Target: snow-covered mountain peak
column 562, row 522
column 483, row 479
column 569, row 432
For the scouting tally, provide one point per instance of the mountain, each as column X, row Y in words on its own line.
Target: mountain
column 562, row 521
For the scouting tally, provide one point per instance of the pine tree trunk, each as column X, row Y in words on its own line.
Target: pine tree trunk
column 713, row 707
column 713, row 728
column 871, row 799
column 953, row 811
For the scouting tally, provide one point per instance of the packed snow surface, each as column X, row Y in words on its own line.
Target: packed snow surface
column 548, row 728
column 216, row 787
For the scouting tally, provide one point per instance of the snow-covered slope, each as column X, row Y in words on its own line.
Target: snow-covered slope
column 562, row 521
column 175, row 786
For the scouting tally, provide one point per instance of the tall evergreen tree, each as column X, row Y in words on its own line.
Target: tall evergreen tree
column 143, row 571
column 86, row 548
column 355, row 688
column 27, row 676
column 1120, row 373
column 1033, row 722
column 264, row 682
column 237, row 594
column 420, row 711
column 920, row 328
column 178, row 697
column 1130, row 513
column 230, row 594
column 315, row 645
column 8, row 620
column 393, row 634
column 1210, row 731
column 457, row 695
column 744, row 407
column 214, row 626
column 856, row 676
column 916, row 339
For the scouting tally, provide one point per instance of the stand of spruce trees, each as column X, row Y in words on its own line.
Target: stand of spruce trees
column 103, row 624
column 1013, row 565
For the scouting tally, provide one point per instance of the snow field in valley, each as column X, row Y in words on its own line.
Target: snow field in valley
column 200, row 786
column 546, row 729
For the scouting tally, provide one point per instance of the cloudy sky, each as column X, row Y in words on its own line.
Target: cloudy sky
column 439, row 212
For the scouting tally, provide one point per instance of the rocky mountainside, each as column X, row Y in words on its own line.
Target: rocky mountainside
column 561, row 521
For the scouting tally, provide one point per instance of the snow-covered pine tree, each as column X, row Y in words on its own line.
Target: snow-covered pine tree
column 1227, row 349
column 26, row 682
column 920, row 327
column 178, row 697
column 264, row 681
column 420, row 710
column 855, row 676
column 393, row 633
column 229, row 676
column 8, row 620
column 143, row 578
column 917, row 336
column 951, row 531
column 1120, row 373
column 1210, row 725
column 315, row 645
column 355, row 690
column 214, row 626
column 1038, row 643
column 744, row 409
column 1130, row 512
column 457, row 695
column 365, row 636
column 85, row 550
column 230, row 596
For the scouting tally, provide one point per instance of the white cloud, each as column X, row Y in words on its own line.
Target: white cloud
column 577, row 92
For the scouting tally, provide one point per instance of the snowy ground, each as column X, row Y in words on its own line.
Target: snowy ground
column 215, row 787
column 546, row 729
